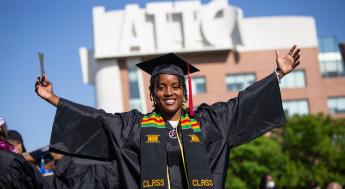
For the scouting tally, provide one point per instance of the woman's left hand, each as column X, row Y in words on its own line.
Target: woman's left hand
column 289, row 62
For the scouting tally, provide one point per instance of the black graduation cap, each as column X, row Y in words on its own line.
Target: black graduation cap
column 170, row 64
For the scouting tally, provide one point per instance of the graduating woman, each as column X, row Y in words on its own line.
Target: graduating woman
column 171, row 147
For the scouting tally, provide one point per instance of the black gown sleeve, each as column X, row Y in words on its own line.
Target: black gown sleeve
column 86, row 132
column 257, row 110
column 75, row 173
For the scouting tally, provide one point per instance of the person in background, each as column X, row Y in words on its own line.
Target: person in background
column 15, row 171
column 317, row 187
column 16, row 139
column 4, row 145
column 334, row 185
column 267, row 182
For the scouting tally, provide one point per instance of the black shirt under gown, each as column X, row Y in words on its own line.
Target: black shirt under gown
column 90, row 133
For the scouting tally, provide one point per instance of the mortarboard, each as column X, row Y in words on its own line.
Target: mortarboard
column 2, row 121
column 170, row 64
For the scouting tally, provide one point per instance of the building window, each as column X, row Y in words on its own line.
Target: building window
column 296, row 107
column 239, row 82
column 295, row 79
column 331, row 62
column 332, row 68
column 198, row 85
column 336, row 105
column 328, row 44
column 134, row 93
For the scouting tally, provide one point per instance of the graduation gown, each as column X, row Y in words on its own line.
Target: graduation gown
column 76, row 173
column 84, row 131
column 17, row 173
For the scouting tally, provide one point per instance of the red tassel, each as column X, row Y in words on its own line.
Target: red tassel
column 191, row 109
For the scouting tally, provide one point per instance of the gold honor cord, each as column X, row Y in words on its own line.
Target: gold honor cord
column 168, row 177
column 183, row 161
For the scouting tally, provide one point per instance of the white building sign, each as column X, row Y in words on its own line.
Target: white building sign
column 181, row 26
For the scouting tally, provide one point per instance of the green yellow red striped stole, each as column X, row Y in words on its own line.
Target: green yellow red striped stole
column 155, row 120
column 154, row 169
column 189, row 123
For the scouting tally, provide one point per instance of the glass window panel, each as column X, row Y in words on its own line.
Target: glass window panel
column 332, row 68
column 251, row 77
column 200, row 88
column 132, row 75
column 323, row 67
column 134, row 93
column 336, row 105
column 341, row 103
column 300, row 79
column 198, row 85
column 294, row 79
column 135, row 104
column 328, row 44
column 341, row 66
column 304, row 109
column 134, row 90
column 239, row 82
column 297, row 107
column 333, row 102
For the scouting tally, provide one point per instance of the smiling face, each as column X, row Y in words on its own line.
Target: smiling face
column 169, row 96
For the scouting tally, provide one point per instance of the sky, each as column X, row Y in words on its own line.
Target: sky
column 60, row 28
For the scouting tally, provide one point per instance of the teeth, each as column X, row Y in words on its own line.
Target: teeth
column 169, row 101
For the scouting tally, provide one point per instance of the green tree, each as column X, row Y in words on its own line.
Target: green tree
column 315, row 144
column 308, row 149
column 248, row 162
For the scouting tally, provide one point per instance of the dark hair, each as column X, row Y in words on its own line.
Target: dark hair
column 3, row 132
column 154, row 81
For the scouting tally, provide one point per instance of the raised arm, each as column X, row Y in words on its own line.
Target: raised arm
column 44, row 89
column 78, row 130
column 84, row 131
column 257, row 109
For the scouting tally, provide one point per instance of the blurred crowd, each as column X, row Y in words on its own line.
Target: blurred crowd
column 43, row 169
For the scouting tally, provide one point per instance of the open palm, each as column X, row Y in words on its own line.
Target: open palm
column 288, row 62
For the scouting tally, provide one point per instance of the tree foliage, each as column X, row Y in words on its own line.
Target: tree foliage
column 308, row 149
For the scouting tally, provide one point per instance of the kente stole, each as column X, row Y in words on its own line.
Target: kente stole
column 153, row 153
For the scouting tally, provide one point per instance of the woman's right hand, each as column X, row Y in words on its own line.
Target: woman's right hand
column 44, row 89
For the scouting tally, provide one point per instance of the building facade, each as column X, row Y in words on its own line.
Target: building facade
column 231, row 51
